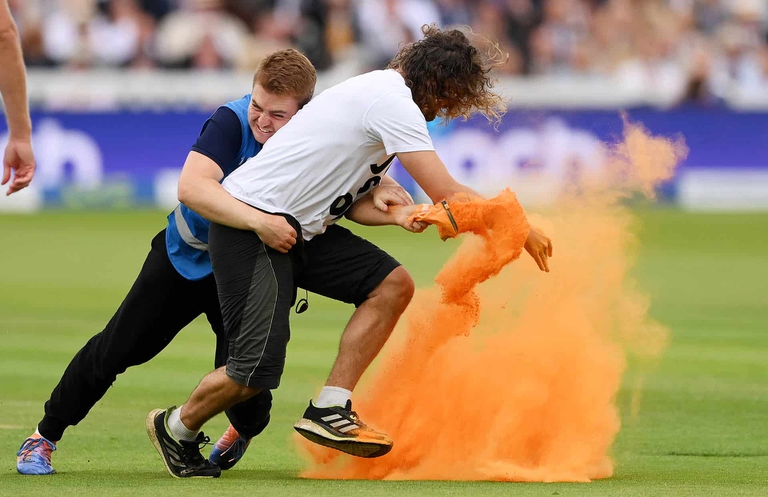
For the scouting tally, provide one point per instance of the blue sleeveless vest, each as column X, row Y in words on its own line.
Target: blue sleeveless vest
column 187, row 234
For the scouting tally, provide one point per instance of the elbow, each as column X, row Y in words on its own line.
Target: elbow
column 185, row 193
column 9, row 35
column 350, row 213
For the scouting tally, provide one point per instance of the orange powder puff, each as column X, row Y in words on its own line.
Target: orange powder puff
column 502, row 372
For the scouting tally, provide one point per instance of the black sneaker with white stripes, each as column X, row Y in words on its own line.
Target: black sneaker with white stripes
column 182, row 459
column 340, row 428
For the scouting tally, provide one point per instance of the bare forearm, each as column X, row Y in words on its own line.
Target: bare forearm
column 433, row 177
column 461, row 191
column 13, row 85
column 453, row 191
column 364, row 212
column 209, row 199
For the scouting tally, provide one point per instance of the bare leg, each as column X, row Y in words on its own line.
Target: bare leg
column 369, row 328
column 215, row 394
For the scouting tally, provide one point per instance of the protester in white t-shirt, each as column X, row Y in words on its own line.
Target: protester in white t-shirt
column 273, row 230
column 319, row 167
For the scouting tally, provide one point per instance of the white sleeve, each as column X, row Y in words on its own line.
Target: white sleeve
column 397, row 121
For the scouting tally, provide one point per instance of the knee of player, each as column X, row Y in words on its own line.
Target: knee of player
column 398, row 287
column 107, row 369
column 241, row 393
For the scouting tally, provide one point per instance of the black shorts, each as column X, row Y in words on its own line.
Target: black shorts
column 257, row 289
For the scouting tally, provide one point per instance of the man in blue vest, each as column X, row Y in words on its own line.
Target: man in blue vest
column 176, row 283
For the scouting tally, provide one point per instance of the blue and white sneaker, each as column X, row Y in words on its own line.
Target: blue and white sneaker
column 34, row 456
column 229, row 449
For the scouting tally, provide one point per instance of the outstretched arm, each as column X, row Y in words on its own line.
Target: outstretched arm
column 430, row 173
column 13, row 87
column 428, row 170
column 200, row 190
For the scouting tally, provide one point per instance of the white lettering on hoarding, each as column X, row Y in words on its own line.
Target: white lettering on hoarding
column 56, row 148
column 538, row 163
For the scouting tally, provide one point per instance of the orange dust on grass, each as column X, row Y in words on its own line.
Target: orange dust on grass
column 502, row 372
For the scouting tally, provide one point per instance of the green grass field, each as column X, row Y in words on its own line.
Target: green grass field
column 702, row 428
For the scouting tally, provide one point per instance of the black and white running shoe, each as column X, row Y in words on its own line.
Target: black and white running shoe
column 340, row 428
column 182, row 459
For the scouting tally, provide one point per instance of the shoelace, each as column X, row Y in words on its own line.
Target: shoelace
column 204, row 442
column 354, row 417
column 26, row 452
column 192, row 453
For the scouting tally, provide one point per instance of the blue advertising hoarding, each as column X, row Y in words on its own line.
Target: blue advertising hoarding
column 124, row 159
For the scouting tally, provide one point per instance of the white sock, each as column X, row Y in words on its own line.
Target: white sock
column 333, row 396
column 177, row 428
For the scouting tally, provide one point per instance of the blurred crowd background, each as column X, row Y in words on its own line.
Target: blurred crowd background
column 696, row 49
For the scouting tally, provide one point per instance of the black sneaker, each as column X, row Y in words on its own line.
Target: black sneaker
column 340, row 428
column 182, row 459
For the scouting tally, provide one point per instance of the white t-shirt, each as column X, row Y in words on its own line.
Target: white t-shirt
column 333, row 151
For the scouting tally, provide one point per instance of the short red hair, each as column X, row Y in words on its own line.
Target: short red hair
column 287, row 72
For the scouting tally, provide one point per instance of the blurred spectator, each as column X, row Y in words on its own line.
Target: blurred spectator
column 738, row 60
column 340, row 31
column 698, row 91
column 386, row 24
column 490, row 21
column 200, row 34
column 124, row 35
column 454, row 12
column 310, row 23
column 521, row 18
column 269, row 33
column 66, row 29
column 709, row 15
column 29, row 18
column 653, row 65
column 564, row 28
column 155, row 8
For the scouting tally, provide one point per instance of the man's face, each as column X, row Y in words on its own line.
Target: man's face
column 268, row 112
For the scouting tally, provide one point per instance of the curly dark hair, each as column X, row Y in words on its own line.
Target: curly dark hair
column 449, row 76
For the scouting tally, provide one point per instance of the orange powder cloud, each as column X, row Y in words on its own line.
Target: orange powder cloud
column 502, row 372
